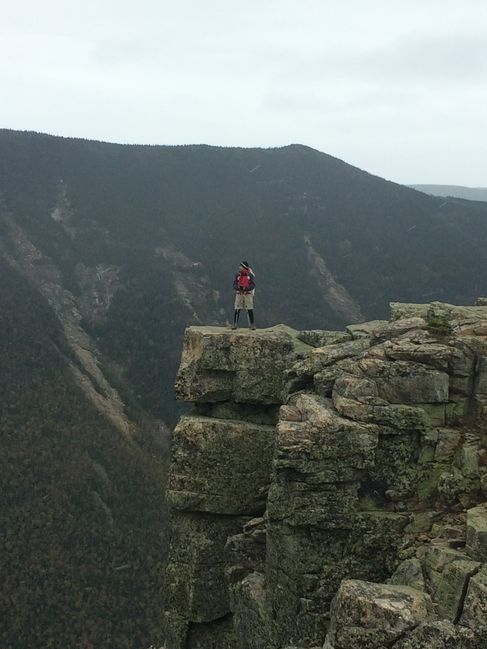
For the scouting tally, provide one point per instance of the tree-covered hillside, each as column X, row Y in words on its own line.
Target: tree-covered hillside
column 329, row 242
column 82, row 514
column 106, row 253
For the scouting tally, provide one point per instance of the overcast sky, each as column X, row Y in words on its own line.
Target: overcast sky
column 396, row 87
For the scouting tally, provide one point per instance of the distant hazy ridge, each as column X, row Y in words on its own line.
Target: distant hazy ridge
column 469, row 193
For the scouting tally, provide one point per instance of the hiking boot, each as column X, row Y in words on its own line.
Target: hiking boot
column 234, row 327
column 253, row 327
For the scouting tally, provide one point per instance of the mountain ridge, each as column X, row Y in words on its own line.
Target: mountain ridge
column 455, row 191
column 112, row 216
column 112, row 250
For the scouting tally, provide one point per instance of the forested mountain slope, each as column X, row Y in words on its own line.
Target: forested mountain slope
column 82, row 525
column 106, row 253
column 146, row 239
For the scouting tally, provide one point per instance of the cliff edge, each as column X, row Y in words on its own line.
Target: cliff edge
column 329, row 488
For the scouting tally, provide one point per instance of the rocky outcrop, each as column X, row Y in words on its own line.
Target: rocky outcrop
column 218, row 366
column 329, row 488
column 219, row 480
column 375, row 615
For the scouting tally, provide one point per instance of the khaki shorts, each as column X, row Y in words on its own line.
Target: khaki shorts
column 244, row 301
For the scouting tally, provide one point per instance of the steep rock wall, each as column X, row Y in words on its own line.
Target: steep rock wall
column 317, row 466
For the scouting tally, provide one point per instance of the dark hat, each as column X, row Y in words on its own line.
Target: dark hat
column 244, row 264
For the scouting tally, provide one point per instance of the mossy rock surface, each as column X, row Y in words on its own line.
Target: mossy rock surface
column 221, row 466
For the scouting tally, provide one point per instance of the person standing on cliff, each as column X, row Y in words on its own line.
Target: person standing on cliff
column 244, row 285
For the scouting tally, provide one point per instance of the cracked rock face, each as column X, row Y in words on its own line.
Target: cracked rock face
column 241, row 366
column 474, row 614
column 220, row 466
column 375, row 615
column 287, row 523
column 437, row 635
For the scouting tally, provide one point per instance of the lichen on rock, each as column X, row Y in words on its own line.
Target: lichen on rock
column 317, row 465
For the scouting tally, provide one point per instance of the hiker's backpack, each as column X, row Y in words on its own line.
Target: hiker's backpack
column 243, row 281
